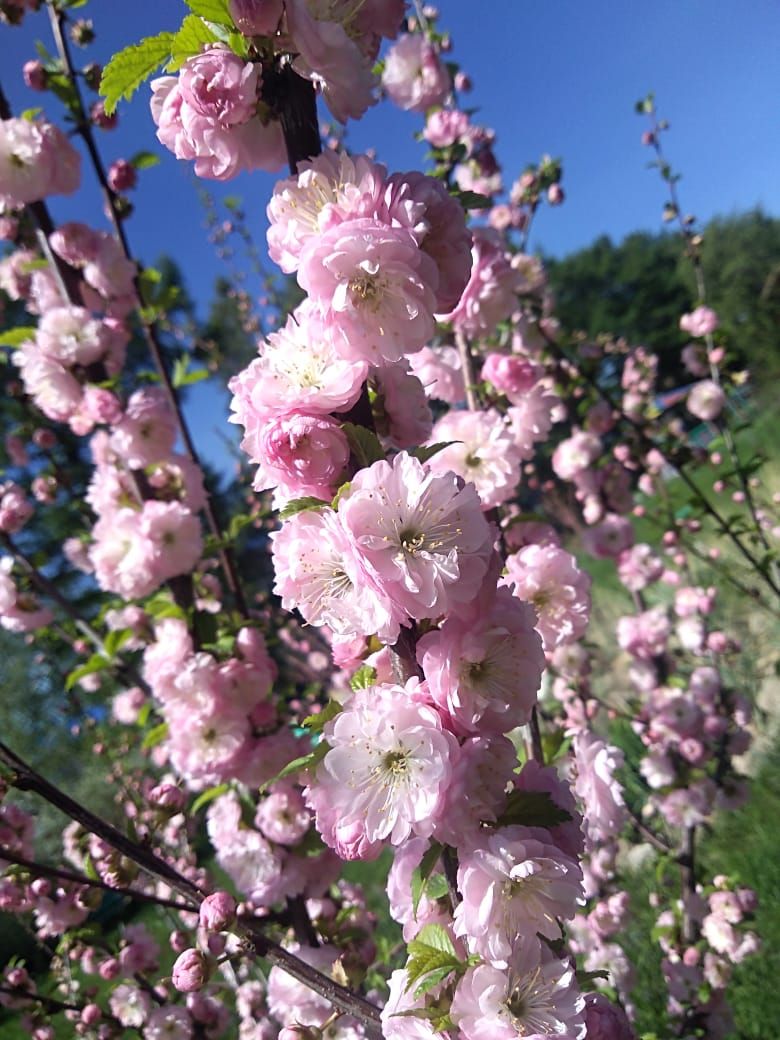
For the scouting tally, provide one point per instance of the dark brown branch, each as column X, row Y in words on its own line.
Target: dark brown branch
column 71, row 876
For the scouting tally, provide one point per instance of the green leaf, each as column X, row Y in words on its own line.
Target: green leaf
column 214, row 10
column 421, row 875
column 155, row 736
column 364, row 677
column 128, row 69
column 433, row 936
column 431, row 956
column 315, row 723
column 298, row 764
column 115, row 640
column 144, row 160
column 300, row 505
column 471, row 200
column 15, row 337
column 189, row 41
column 532, row 809
column 143, row 714
column 427, row 451
column 208, row 796
column 182, row 375
column 96, row 663
column 363, row 444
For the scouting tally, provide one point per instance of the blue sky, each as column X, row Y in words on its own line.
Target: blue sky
column 553, row 76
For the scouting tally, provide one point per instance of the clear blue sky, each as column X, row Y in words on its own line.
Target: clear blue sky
column 554, row 76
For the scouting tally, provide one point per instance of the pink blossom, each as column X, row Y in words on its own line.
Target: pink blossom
column 483, row 453
column 385, row 774
column 15, row 508
column 256, row 17
column 168, row 1022
column 291, row 1001
column 220, row 150
column 549, row 579
column 597, row 787
column 414, row 76
column 375, row 287
column 575, row 454
column 513, row 886
column 491, row 293
column 605, row 1020
column 329, row 189
column 639, row 566
column 476, row 794
column 706, row 400
column 510, row 374
column 299, row 370
column 36, row 160
column 422, row 535
column 700, row 322
column 396, row 1025
column 147, row 432
column 406, row 420
column 283, row 816
column 321, row 572
column 445, row 126
column 532, row 999
column 330, row 58
column 440, row 371
column 645, row 634
column 299, row 455
column 608, row 539
column 219, row 86
column 485, row 675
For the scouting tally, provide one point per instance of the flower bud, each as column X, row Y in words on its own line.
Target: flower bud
column 34, row 75
column 122, row 175
column 217, row 912
column 256, row 17
column 190, row 971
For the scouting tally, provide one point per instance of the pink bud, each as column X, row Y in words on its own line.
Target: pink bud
column 34, row 75
column 190, row 971
column 122, row 175
column 91, row 1015
column 555, row 195
column 217, row 912
column 101, row 118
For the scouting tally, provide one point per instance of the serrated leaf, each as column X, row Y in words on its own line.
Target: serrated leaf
column 315, row 723
column 128, row 69
column 421, row 875
column 433, row 978
column 155, row 736
column 208, row 796
column 214, row 10
column 364, row 677
column 427, row 451
column 343, row 490
column 300, row 505
column 363, row 444
column 189, row 41
column 435, row 937
column 96, row 663
column 15, row 337
column 532, row 809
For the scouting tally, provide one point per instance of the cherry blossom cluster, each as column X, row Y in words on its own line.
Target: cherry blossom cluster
column 221, row 112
